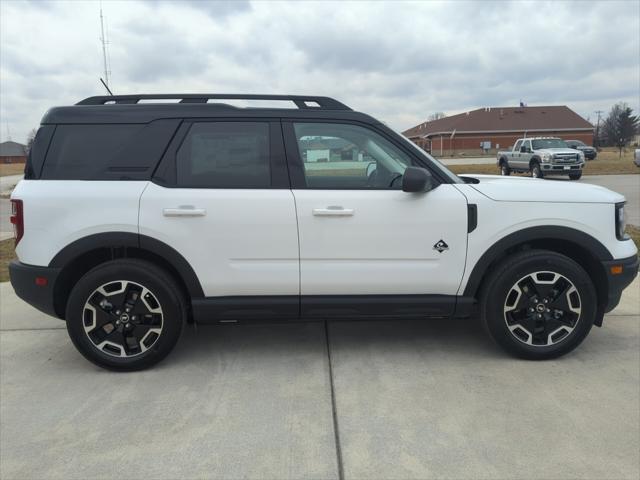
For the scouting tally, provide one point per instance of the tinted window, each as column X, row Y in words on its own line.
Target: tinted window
column 38, row 151
column 343, row 156
column 225, row 155
column 107, row 152
column 518, row 145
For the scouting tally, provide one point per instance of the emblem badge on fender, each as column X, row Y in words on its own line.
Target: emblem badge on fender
column 441, row 246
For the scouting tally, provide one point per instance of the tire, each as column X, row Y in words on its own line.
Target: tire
column 504, row 169
column 575, row 176
column 507, row 300
column 112, row 337
column 536, row 171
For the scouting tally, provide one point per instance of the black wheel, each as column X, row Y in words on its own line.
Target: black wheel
column 538, row 305
column 575, row 176
column 125, row 314
column 536, row 171
column 504, row 169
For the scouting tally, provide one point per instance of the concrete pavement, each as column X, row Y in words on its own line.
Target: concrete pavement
column 432, row 399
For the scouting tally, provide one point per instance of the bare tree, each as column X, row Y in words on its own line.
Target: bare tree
column 436, row 116
column 30, row 138
column 620, row 126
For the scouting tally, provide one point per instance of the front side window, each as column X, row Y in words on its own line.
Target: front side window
column 225, row 155
column 343, row 156
column 518, row 145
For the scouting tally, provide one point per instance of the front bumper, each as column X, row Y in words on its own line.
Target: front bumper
column 562, row 167
column 617, row 282
column 28, row 283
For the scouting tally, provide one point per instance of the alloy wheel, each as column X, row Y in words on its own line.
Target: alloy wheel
column 122, row 318
column 542, row 309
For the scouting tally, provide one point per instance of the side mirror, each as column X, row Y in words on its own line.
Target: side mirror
column 523, row 149
column 416, row 180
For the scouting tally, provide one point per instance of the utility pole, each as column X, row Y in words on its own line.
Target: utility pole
column 104, row 42
column 596, row 141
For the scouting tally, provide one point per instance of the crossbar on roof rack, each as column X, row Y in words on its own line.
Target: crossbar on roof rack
column 301, row 101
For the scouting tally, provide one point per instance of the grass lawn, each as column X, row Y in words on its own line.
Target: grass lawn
column 607, row 163
column 11, row 169
column 6, row 255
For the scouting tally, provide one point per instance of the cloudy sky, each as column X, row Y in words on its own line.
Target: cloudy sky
column 399, row 62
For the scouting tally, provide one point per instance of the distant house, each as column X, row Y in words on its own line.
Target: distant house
column 13, row 152
column 489, row 129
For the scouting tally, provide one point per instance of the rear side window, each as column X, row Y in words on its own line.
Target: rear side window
column 38, row 151
column 107, row 152
column 225, row 155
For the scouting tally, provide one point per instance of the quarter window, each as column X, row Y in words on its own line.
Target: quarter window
column 344, row 156
column 225, row 155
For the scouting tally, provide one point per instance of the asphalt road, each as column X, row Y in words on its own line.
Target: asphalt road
column 410, row 400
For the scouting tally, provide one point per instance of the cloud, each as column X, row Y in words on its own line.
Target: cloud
column 397, row 61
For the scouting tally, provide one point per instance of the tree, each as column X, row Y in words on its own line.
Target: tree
column 30, row 138
column 436, row 116
column 620, row 126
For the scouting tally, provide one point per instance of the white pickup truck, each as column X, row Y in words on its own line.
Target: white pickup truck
column 542, row 156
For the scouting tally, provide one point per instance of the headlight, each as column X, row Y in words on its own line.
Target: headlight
column 546, row 157
column 621, row 222
column 581, row 156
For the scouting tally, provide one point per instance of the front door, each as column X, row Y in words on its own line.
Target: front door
column 361, row 236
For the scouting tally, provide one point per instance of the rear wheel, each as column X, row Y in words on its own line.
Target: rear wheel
column 536, row 171
column 125, row 314
column 538, row 305
column 575, row 176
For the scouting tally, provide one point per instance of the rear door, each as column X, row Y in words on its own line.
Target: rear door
column 221, row 198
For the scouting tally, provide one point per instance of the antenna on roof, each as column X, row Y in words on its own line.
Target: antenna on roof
column 104, row 42
column 106, row 86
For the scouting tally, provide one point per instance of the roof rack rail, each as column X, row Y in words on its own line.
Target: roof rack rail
column 301, row 101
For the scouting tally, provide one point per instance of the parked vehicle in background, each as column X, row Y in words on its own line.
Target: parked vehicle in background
column 541, row 156
column 590, row 153
column 135, row 218
column 636, row 157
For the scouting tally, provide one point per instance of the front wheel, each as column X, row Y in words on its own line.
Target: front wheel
column 575, row 176
column 504, row 169
column 125, row 314
column 536, row 171
column 538, row 305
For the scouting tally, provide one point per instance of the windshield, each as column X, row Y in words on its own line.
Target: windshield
column 548, row 143
column 435, row 162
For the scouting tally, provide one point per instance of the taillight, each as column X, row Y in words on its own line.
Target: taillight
column 17, row 219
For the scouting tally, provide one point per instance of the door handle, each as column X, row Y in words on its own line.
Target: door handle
column 184, row 211
column 333, row 211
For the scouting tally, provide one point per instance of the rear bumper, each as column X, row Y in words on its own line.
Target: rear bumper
column 618, row 282
column 23, row 280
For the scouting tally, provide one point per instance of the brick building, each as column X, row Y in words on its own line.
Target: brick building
column 490, row 129
column 12, row 152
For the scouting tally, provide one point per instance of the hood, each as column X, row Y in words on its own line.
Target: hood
column 523, row 189
column 557, row 150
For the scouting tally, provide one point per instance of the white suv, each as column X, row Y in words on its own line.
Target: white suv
column 137, row 217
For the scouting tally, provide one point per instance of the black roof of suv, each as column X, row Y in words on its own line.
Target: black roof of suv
column 147, row 108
